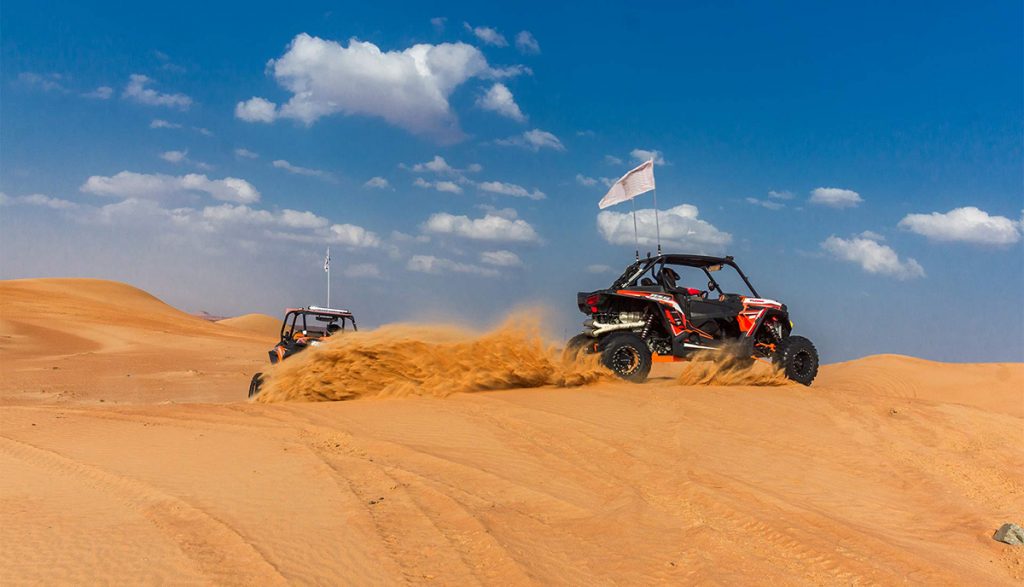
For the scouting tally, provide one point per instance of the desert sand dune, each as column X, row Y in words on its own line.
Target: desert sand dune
column 266, row 326
column 887, row 470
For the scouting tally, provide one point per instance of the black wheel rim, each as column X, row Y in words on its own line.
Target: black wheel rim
column 802, row 364
column 625, row 360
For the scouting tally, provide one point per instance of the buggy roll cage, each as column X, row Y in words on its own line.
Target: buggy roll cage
column 328, row 316
column 702, row 262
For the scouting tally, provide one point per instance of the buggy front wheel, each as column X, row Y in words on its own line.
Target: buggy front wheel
column 254, row 384
column 797, row 358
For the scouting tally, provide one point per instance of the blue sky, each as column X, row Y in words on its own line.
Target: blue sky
column 863, row 164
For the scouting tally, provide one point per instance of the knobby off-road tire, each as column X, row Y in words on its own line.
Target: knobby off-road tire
column 255, row 384
column 797, row 358
column 627, row 355
column 576, row 345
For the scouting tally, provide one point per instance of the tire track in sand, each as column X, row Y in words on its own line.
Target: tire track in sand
column 218, row 551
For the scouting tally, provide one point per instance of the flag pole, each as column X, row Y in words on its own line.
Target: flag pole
column 657, row 224
column 636, row 238
column 328, row 277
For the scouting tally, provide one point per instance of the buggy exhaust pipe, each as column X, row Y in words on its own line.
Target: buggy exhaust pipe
column 599, row 329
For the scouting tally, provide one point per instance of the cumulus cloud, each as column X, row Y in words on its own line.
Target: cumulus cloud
column 612, row 160
column 436, row 165
column 491, row 227
column 45, row 82
column 835, row 197
column 362, row 270
column 584, row 180
column 437, row 265
column 174, row 156
column 873, row 257
column 100, row 93
column 534, row 140
column 500, row 258
column 161, row 123
column 771, row 205
column 377, row 183
column 526, row 44
column 40, row 200
column 598, row 268
column 246, row 153
column 968, row 225
column 308, row 172
column 781, row 194
column 256, row 109
column 157, row 186
column 681, row 228
column 137, row 91
column 499, row 99
column 871, row 235
column 487, row 35
column 510, row 189
column 441, row 186
column 641, row 155
column 409, row 89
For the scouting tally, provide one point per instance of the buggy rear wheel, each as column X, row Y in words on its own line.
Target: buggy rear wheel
column 797, row 358
column 255, row 384
column 581, row 343
column 627, row 355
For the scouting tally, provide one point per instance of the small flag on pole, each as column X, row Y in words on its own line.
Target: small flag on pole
column 327, row 261
column 638, row 181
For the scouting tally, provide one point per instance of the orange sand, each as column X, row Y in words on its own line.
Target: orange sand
column 887, row 470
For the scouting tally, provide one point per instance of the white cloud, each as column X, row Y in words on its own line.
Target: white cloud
column 835, row 197
column 137, row 91
column 510, row 189
column 438, row 23
column 364, row 270
column 499, row 99
column 491, row 227
column 526, row 44
column 500, row 258
column 871, row 236
column 100, row 93
column 246, row 153
column 256, row 110
column 441, row 186
column 203, row 131
column 584, row 180
column 353, row 236
column 968, row 224
column 40, row 200
column 46, row 82
column 302, row 219
column 681, row 229
column 409, row 89
column 174, row 156
column 436, row 165
column 285, row 165
column 160, row 123
column 157, row 186
column 436, row 265
column 781, row 195
column 771, row 205
column 641, row 155
column 534, row 140
column 487, row 35
column 377, row 183
column 598, row 268
column 873, row 257
column 612, row 160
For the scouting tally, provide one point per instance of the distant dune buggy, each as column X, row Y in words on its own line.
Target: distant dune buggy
column 303, row 328
column 648, row 315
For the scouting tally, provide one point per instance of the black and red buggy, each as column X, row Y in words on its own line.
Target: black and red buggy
column 651, row 313
column 303, row 328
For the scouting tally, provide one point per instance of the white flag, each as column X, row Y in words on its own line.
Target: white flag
column 638, row 181
column 327, row 261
